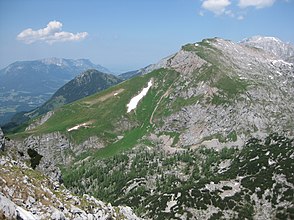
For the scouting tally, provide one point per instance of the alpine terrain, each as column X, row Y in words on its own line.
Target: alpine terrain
column 207, row 133
column 85, row 84
column 25, row 85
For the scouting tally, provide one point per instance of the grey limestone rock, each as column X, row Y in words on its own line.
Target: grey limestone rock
column 2, row 140
column 38, row 198
column 40, row 121
column 250, row 94
column 8, row 207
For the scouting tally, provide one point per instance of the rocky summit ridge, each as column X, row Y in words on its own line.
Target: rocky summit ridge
column 238, row 89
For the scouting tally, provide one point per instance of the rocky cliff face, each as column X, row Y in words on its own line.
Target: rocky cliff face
column 29, row 195
column 46, row 152
column 235, row 90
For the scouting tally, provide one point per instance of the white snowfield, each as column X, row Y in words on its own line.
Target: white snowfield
column 135, row 100
column 78, row 126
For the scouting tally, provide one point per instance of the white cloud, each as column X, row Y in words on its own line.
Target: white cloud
column 218, row 7
column 256, row 3
column 240, row 17
column 50, row 34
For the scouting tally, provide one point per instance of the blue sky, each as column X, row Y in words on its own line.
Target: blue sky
column 125, row 35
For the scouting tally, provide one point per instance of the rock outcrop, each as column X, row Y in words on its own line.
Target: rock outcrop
column 2, row 140
column 28, row 194
column 40, row 121
column 47, row 151
column 236, row 90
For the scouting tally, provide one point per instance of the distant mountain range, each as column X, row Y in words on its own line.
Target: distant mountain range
column 25, row 85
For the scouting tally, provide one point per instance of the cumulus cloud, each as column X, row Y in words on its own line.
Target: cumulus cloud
column 50, row 34
column 218, row 7
column 234, row 8
column 256, row 3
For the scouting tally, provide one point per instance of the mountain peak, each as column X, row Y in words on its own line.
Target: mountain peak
column 259, row 38
column 272, row 45
column 66, row 62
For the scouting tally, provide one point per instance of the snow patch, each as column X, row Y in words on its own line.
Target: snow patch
column 85, row 125
column 135, row 100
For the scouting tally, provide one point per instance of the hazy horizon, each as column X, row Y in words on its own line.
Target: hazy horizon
column 128, row 35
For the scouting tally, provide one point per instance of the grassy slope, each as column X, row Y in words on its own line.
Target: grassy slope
column 104, row 111
column 105, row 114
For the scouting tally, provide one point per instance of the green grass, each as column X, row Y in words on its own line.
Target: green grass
column 219, row 100
column 231, row 86
column 232, row 136
column 218, row 136
column 105, row 113
column 129, row 140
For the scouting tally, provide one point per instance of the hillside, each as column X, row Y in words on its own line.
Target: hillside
column 253, row 182
column 214, row 79
column 209, row 124
column 30, row 195
column 25, row 85
column 85, row 84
